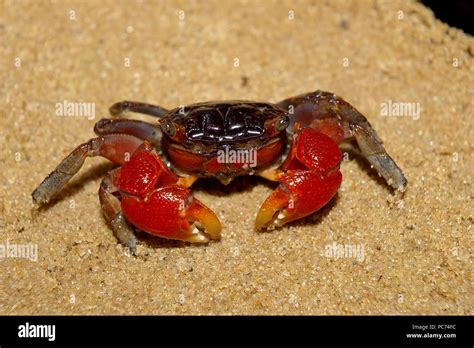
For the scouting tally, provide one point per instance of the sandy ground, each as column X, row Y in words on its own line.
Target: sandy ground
column 415, row 254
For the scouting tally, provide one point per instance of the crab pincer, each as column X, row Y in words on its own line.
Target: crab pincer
column 309, row 178
column 154, row 200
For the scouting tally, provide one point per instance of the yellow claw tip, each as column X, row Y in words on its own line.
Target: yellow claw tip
column 206, row 220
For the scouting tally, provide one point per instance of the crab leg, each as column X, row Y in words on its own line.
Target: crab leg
column 114, row 147
column 143, row 108
column 335, row 117
column 309, row 178
column 112, row 210
column 140, row 129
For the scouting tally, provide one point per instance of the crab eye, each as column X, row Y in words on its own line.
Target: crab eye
column 169, row 129
column 282, row 123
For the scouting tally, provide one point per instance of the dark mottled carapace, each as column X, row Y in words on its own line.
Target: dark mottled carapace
column 229, row 121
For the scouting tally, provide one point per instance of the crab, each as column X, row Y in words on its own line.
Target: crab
column 295, row 143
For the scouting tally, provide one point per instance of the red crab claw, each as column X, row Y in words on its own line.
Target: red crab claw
column 309, row 178
column 169, row 212
column 157, row 201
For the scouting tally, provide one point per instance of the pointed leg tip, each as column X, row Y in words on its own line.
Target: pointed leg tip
column 401, row 190
column 36, row 198
column 131, row 244
column 115, row 109
column 37, row 201
column 35, row 206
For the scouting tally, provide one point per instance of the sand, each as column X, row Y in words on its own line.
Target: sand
column 415, row 254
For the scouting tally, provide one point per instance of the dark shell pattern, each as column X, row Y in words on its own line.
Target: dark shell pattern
column 225, row 122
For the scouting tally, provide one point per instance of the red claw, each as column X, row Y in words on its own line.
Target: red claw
column 154, row 201
column 299, row 194
column 309, row 180
column 170, row 212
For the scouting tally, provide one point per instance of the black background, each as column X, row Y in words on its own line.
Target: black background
column 456, row 13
